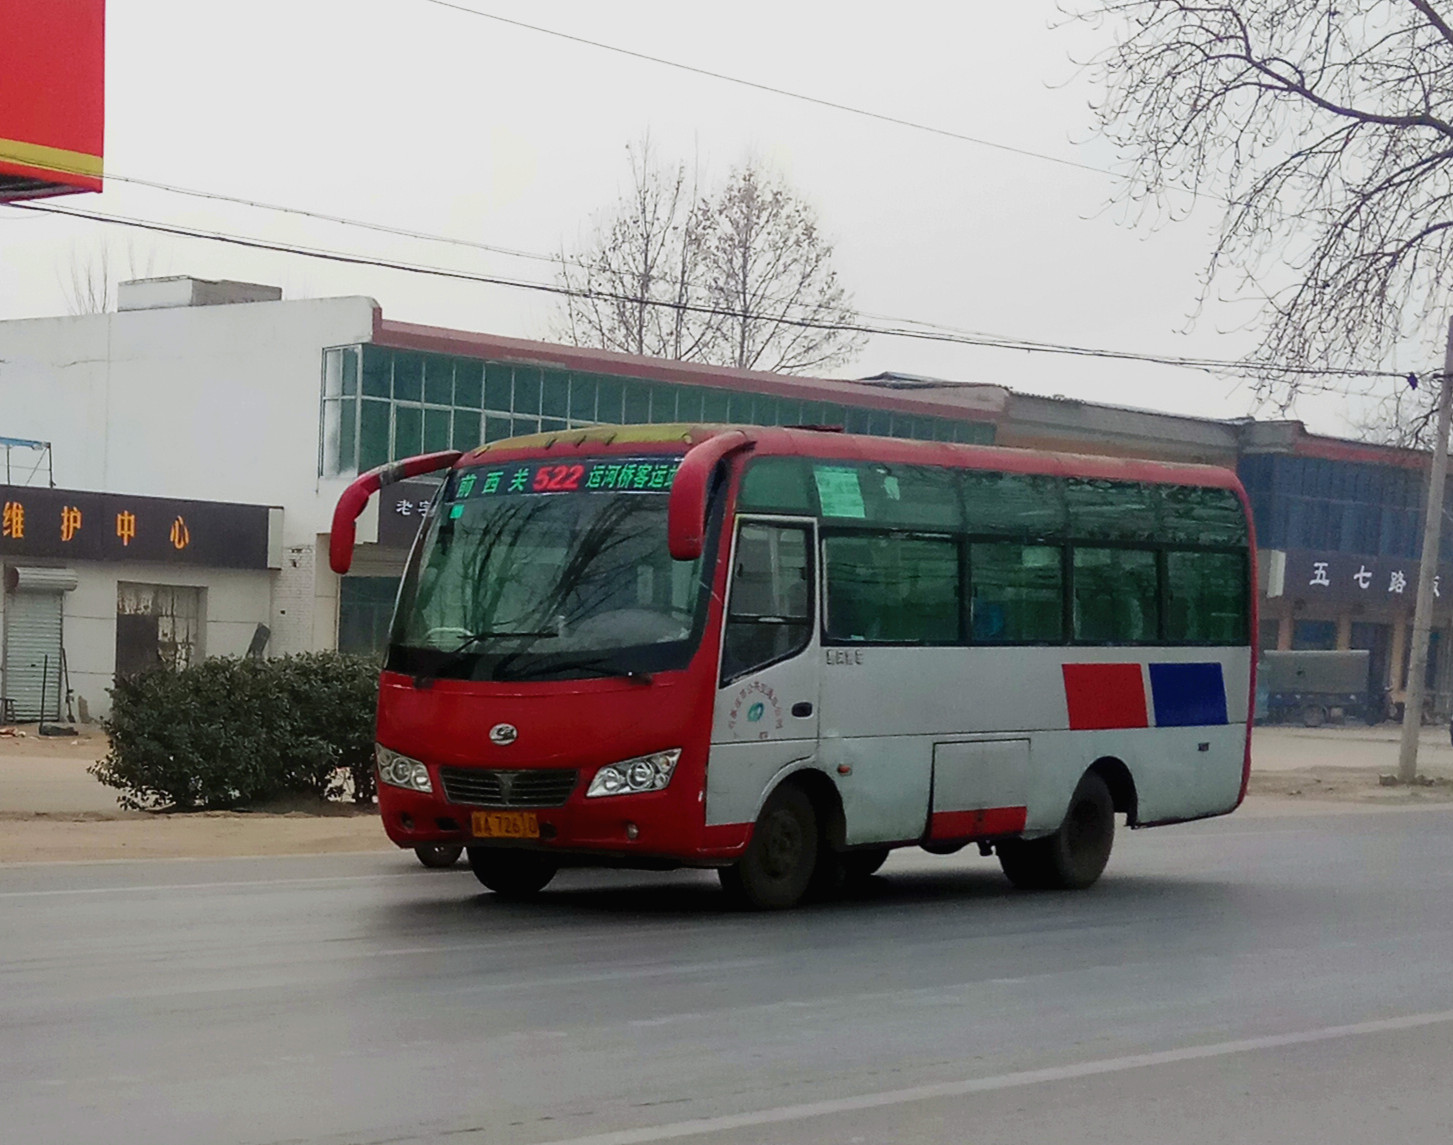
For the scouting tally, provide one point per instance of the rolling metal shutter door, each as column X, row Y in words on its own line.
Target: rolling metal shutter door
column 33, row 646
column 33, row 609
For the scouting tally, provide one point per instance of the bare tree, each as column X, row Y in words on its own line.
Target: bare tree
column 636, row 286
column 1327, row 133
column 93, row 275
column 742, row 277
column 770, row 277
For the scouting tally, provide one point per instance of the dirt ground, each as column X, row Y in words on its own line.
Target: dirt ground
column 53, row 810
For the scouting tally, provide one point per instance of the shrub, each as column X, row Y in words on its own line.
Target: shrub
column 233, row 733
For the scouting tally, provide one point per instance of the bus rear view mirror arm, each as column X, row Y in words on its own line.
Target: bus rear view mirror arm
column 364, row 486
column 686, row 515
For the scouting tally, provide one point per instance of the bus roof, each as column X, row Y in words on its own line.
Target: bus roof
column 832, row 445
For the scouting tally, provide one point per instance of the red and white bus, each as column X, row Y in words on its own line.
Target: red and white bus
column 783, row 652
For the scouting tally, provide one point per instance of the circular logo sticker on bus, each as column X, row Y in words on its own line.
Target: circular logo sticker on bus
column 504, row 734
column 755, row 712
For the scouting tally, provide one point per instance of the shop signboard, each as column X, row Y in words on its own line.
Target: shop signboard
column 67, row 524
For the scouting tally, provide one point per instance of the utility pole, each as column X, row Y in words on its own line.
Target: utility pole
column 1427, row 570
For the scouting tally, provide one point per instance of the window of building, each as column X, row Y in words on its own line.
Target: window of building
column 365, row 607
column 892, row 588
column 1017, row 593
column 1115, row 596
column 381, row 404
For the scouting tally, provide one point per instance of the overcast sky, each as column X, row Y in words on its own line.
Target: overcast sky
column 405, row 113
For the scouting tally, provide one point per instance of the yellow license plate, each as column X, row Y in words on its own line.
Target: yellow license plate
column 506, row 825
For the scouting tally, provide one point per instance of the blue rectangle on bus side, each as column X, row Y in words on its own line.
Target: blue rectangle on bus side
column 1188, row 695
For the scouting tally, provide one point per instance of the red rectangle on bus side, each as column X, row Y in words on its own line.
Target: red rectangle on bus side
column 1105, row 696
column 978, row 823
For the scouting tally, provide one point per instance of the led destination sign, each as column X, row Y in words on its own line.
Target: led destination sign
column 602, row 475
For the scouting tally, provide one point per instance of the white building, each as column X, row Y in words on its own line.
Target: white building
column 250, row 414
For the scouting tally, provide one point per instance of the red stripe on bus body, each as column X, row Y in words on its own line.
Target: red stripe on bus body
column 979, row 822
column 1105, row 696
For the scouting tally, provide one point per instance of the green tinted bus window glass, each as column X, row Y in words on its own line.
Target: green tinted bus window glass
column 715, row 405
column 911, row 496
column 555, row 394
column 892, row 589
column 638, row 404
column 527, row 390
column 1017, row 594
column 497, row 383
column 437, row 429
column 1200, row 516
column 1115, row 596
column 408, row 431
column 1206, row 598
column 372, row 434
column 1112, row 510
column 582, row 397
column 377, row 372
column 1013, row 504
column 468, row 385
column 408, row 377
column 776, row 485
column 611, row 393
column 438, row 380
column 466, row 430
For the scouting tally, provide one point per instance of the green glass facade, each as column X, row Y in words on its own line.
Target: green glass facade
column 381, row 404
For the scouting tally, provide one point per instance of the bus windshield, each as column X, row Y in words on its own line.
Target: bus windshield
column 538, row 570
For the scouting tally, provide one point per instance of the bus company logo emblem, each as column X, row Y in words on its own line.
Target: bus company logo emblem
column 504, row 734
column 755, row 712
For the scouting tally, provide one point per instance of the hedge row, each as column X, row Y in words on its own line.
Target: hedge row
column 234, row 733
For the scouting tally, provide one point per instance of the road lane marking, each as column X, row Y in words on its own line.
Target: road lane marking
column 802, row 1112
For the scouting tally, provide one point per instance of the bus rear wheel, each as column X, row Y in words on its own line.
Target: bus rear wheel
column 512, row 874
column 1075, row 855
column 779, row 863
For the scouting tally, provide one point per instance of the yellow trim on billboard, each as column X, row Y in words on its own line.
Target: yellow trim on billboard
column 55, row 159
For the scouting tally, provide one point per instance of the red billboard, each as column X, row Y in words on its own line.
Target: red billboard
column 52, row 96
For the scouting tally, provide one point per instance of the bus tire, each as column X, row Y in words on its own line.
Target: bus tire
column 781, row 859
column 512, row 874
column 859, row 866
column 1075, row 855
column 1313, row 715
column 439, row 856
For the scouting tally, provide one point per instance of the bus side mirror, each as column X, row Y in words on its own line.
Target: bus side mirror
column 364, row 486
column 686, row 511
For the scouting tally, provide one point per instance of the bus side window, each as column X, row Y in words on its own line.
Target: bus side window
column 769, row 611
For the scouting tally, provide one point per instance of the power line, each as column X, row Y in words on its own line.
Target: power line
column 910, row 330
column 802, row 97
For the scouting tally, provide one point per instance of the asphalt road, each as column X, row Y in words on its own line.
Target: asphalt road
column 1248, row 980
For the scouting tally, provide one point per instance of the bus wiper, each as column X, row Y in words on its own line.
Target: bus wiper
column 451, row 657
column 601, row 664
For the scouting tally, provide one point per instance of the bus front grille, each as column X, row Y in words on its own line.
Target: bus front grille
column 490, row 787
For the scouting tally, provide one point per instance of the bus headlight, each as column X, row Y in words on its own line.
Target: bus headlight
column 631, row 776
column 400, row 771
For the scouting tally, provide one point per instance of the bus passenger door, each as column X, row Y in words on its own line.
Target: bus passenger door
column 766, row 704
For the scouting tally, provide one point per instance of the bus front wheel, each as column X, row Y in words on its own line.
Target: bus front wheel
column 1075, row 855
column 778, row 865
column 512, row 874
